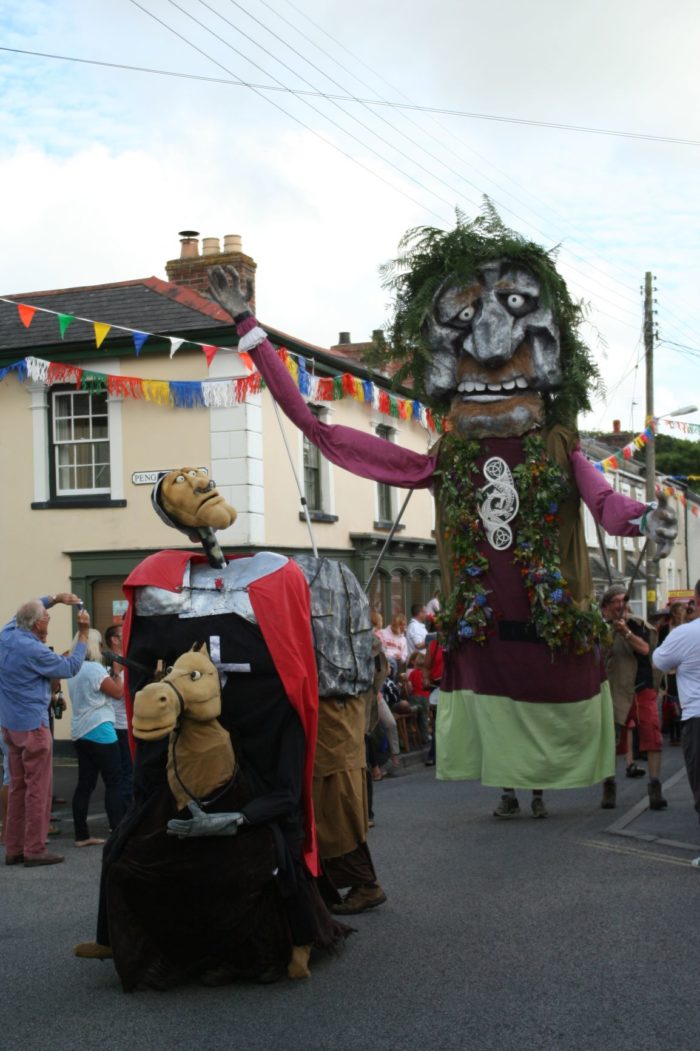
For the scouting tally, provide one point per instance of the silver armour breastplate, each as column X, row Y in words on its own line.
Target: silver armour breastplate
column 206, row 591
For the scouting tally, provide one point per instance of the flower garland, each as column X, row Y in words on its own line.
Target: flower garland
column 467, row 614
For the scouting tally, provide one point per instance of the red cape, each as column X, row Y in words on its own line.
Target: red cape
column 282, row 607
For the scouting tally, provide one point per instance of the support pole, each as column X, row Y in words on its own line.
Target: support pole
column 604, row 553
column 652, row 564
column 388, row 540
column 302, row 498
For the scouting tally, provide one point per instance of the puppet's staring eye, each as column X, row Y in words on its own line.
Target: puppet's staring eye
column 518, row 303
column 180, row 479
column 466, row 315
column 193, row 474
column 194, row 675
column 169, row 669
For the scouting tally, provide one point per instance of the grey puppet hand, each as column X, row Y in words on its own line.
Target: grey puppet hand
column 205, row 824
column 661, row 526
column 225, row 289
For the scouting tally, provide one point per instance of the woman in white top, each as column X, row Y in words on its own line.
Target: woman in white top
column 95, row 740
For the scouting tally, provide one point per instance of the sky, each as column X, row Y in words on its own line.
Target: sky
column 101, row 167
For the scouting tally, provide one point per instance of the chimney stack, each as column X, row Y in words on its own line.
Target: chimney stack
column 191, row 268
column 616, row 427
column 343, row 339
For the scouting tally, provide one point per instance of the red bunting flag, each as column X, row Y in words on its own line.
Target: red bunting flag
column 209, row 352
column 26, row 313
column 246, row 360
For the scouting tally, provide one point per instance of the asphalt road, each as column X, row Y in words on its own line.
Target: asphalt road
column 553, row 934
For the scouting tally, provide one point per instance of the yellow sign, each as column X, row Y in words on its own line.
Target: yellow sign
column 680, row 593
column 651, row 596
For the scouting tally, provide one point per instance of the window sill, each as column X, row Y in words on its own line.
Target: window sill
column 318, row 516
column 386, row 526
column 66, row 502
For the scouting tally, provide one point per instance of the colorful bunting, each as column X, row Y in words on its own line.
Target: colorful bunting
column 139, row 340
column 26, row 313
column 64, row 323
column 225, row 393
column 101, row 331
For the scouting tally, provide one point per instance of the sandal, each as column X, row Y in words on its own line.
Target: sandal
column 635, row 771
column 377, row 775
column 91, row 841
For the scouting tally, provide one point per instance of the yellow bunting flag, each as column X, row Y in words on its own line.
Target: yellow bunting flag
column 101, row 331
column 157, row 391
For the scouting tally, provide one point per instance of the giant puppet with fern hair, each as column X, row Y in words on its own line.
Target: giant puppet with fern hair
column 485, row 329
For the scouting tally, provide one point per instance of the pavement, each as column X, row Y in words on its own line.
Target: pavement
column 569, row 934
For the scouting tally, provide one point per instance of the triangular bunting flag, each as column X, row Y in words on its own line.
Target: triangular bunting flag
column 139, row 340
column 26, row 313
column 64, row 323
column 209, row 352
column 101, row 331
column 175, row 345
column 247, row 361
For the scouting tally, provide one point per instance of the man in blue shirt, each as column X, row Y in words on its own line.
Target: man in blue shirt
column 27, row 666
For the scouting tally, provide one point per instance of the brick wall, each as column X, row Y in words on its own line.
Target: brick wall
column 192, row 273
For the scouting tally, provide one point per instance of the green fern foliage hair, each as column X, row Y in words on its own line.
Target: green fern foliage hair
column 428, row 256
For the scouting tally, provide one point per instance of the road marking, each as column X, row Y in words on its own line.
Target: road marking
column 613, row 848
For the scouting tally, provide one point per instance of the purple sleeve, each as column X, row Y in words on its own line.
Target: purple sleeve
column 362, row 454
column 613, row 511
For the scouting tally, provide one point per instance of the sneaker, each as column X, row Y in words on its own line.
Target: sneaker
column 609, row 800
column 360, row 899
column 635, row 771
column 508, row 807
column 538, row 808
column 656, row 800
column 43, row 859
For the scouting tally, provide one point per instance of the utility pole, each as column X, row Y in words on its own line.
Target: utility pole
column 652, row 564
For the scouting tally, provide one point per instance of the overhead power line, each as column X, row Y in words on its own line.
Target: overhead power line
column 441, row 110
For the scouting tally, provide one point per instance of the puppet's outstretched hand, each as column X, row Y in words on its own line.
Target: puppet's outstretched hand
column 225, row 289
column 660, row 524
column 203, row 824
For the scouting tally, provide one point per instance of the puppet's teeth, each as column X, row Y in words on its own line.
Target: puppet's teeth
column 521, row 382
column 479, row 386
column 466, row 387
column 494, row 386
column 508, row 384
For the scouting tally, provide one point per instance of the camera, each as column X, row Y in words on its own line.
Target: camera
column 58, row 704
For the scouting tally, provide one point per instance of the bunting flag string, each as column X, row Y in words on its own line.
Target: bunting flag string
column 27, row 313
column 612, row 462
column 681, row 425
column 225, row 393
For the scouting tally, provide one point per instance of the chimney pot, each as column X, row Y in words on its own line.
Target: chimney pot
column 232, row 243
column 377, row 335
column 343, row 339
column 210, row 246
column 189, row 245
column 616, row 427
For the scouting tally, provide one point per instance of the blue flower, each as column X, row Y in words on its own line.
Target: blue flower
column 480, row 600
column 557, row 595
column 555, row 574
column 474, row 571
column 553, row 508
column 465, row 630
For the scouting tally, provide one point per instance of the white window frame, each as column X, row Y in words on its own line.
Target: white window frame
column 321, row 412
column 42, row 446
column 70, row 396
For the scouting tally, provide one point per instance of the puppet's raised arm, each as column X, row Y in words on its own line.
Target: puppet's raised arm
column 619, row 515
column 363, row 454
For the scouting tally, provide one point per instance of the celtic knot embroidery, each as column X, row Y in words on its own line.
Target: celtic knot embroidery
column 500, row 503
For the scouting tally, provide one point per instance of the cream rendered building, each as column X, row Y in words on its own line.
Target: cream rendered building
column 77, row 515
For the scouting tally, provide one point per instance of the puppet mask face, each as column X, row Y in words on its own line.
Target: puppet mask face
column 495, row 349
column 191, row 498
column 194, row 694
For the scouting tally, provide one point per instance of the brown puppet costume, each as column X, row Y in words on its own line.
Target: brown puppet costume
column 488, row 333
column 190, row 893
